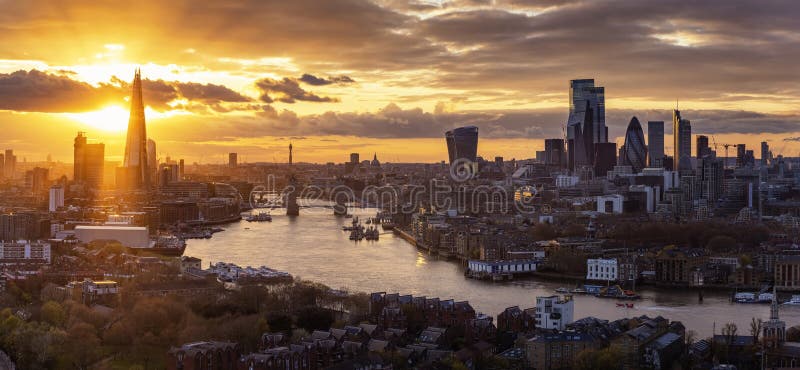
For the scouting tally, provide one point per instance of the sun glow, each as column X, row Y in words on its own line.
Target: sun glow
column 110, row 118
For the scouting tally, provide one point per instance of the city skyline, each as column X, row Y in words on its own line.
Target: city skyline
column 337, row 87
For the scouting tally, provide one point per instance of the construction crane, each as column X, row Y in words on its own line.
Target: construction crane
column 714, row 141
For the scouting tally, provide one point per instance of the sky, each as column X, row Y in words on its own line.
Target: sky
column 388, row 76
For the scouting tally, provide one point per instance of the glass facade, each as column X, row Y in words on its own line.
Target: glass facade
column 655, row 143
column 634, row 152
column 462, row 142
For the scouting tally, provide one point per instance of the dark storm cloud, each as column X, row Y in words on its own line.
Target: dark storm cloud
column 395, row 122
column 209, row 93
column 287, row 90
column 37, row 91
column 525, row 46
column 319, row 81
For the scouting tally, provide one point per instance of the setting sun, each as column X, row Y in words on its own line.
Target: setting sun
column 111, row 118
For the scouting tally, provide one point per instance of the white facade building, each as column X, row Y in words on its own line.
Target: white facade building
column 554, row 312
column 564, row 181
column 24, row 251
column 605, row 269
column 56, row 198
column 129, row 236
column 610, row 203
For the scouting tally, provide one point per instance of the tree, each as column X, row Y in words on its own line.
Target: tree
column 755, row 328
column 543, row 231
column 314, row 318
column 83, row 344
column 691, row 335
column 729, row 331
column 721, row 243
column 608, row 358
column 53, row 314
column 279, row 322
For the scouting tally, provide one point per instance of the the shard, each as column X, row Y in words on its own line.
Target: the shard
column 136, row 164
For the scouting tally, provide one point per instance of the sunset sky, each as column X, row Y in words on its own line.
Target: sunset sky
column 386, row 76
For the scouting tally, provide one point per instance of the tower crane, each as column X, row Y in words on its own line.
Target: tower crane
column 714, row 140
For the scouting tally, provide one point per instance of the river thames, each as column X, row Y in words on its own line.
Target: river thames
column 314, row 247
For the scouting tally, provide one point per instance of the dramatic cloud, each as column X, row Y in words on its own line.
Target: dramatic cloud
column 319, row 81
column 287, row 90
column 504, row 65
column 36, row 91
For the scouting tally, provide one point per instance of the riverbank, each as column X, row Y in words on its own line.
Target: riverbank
column 313, row 247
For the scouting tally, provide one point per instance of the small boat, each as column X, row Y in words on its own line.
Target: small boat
column 562, row 290
column 620, row 304
column 765, row 298
column 629, row 305
column 259, row 217
column 794, row 301
column 745, row 297
column 578, row 291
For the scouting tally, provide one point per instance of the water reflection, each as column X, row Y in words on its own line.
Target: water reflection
column 312, row 246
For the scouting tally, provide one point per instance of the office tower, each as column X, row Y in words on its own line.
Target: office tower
column 741, row 150
column 2, row 165
column 233, row 160
column 354, row 158
column 634, row 152
column 586, row 124
column 462, row 143
column 135, row 173
column 655, row 143
column 168, row 173
column 605, row 158
column 765, row 154
column 152, row 159
column 10, row 164
column 681, row 137
column 711, row 175
column 702, row 147
column 582, row 92
column 37, row 179
column 669, row 163
column 290, row 153
column 89, row 162
column 749, row 158
column 554, row 153
column 56, row 198
column 180, row 169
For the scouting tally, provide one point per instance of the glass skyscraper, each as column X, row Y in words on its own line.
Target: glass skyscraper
column 634, row 152
column 681, row 137
column 462, row 142
column 135, row 166
column 586, row 124
column 655, row 143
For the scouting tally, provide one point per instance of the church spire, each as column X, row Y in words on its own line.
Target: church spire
column 773, row 312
